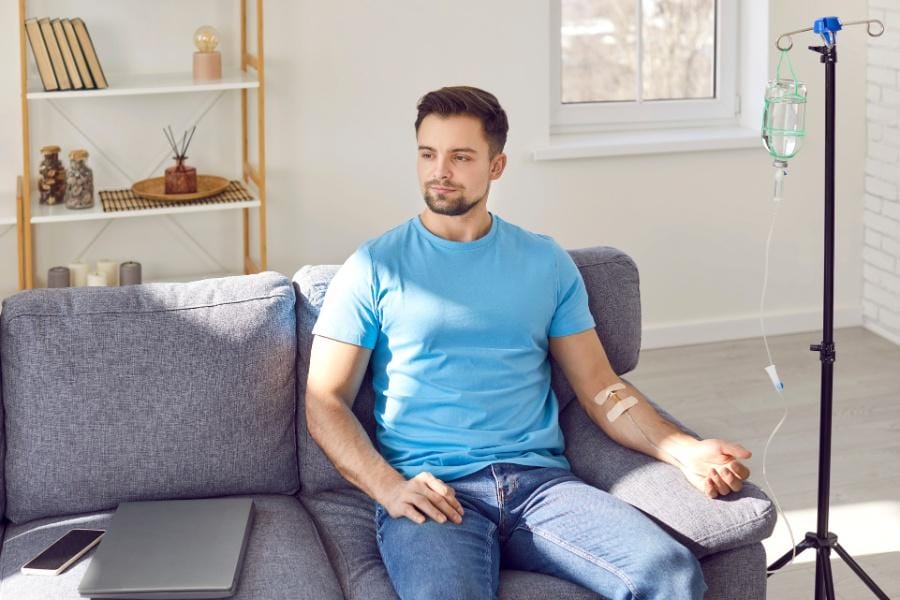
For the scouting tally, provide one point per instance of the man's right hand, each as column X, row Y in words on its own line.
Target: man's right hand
column 423, row 496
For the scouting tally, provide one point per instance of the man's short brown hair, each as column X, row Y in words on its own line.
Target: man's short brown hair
column 466, row 100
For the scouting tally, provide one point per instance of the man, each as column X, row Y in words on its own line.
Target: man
column 458, row 309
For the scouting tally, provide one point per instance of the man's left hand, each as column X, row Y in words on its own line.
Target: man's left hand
column 712, row 466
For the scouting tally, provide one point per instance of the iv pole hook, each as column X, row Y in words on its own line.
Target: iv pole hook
column 873, row 32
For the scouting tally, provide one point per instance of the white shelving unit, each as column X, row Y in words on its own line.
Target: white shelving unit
column 129, row 84
column 251, row 76
column 44, row 213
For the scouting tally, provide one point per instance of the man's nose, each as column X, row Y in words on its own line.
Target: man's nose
column 442, row 168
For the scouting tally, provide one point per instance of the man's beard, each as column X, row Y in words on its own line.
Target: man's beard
column 442, row 204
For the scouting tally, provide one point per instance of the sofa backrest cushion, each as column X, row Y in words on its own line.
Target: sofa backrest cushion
column 611, row 278
column 167, row 390
column 2, row 452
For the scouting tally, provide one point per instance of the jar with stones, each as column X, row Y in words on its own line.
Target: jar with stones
column 79, row 181
column 52, row 184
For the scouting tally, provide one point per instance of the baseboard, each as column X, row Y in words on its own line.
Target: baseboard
column 879, row 330
column 687, row 333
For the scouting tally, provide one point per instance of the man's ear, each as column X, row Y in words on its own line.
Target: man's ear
column 498, row 164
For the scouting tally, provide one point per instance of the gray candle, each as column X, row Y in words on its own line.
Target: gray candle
column 58, row 277
column 130, row 273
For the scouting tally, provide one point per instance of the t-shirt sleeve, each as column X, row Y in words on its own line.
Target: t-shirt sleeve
column 348, row 311
column 572, row 314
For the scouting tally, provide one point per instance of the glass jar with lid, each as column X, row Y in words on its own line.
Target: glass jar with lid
column 52, row 184
column 79, row 181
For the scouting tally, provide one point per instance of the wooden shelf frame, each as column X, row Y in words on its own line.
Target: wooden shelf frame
column 250, row 77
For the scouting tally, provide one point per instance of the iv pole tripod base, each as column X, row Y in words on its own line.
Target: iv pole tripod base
column 822, row 541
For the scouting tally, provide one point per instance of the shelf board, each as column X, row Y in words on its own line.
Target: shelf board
column 129, row 84
column 58, row 213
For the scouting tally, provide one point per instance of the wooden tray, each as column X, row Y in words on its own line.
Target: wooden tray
column 155, row 188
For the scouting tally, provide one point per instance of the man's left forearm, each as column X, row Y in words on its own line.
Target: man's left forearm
column 645, row 431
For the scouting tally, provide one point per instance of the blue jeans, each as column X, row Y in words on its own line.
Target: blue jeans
column 535, row 519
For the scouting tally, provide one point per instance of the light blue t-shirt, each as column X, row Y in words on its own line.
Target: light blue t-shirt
column 459, row 333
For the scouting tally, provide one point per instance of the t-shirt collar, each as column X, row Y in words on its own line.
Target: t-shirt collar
column 458, row 246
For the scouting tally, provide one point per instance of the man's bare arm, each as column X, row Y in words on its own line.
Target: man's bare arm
column 710, row 465
column 336, row 370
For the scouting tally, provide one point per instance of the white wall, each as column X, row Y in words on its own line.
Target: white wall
column 881, row 253
column 343, row 81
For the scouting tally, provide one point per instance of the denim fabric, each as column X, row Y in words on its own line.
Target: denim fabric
column 542, row 519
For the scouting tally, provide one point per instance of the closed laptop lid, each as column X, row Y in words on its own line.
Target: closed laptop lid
column 171, row 549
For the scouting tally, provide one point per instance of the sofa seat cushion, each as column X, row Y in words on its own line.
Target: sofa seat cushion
column 345, row 520
column 284, row 560
column 164, row 390
column 705, row 525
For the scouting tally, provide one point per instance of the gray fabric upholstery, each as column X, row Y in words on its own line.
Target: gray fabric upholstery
column 154, row 391
column 703, row 524
column 2, row 447
column 284, row 559
column 316, row 471
column 524, row 585
column 345, row 522
column 738, row 574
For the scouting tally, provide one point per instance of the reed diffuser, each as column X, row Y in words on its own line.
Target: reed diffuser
column 180, row 178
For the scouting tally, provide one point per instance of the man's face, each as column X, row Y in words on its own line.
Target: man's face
column 455, row 167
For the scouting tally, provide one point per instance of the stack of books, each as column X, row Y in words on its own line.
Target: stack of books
column 65, row 55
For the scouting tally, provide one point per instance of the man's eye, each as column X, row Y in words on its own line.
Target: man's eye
column 426, row 155
column 462, row 158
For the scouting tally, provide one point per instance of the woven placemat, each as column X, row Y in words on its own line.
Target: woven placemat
column 119, row 200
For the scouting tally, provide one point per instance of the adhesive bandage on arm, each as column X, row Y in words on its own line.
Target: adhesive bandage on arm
column 621, row 406
column 603, row 395
column 619, row 409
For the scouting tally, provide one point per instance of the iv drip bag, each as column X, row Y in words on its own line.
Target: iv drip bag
column 784, row 117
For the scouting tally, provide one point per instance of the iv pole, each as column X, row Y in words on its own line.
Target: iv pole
column 822, row 540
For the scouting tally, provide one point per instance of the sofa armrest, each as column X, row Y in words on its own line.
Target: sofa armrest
column 705, row 525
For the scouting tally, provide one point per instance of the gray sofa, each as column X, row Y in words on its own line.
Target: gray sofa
column 196, row 390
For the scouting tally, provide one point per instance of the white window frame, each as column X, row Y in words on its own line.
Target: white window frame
column 651, row 114
column 613, row 128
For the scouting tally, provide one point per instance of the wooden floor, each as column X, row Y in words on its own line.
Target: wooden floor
column 721, row 390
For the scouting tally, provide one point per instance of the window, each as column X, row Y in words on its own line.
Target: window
column 643, row 64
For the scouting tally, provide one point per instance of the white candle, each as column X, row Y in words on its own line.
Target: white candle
column 96, row 279
column 78, row 272
column 110, row 268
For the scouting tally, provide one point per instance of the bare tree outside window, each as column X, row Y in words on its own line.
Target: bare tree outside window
column 600, row 50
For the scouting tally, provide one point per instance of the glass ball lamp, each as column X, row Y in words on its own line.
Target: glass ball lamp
column 207, row 60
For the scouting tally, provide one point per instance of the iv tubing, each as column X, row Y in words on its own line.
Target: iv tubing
column 776, row 204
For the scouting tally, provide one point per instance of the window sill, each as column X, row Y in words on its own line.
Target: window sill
column 657, row 141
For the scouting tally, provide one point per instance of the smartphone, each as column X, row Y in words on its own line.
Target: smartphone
column 63, row 552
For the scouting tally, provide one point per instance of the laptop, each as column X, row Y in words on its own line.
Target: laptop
column 171, row 549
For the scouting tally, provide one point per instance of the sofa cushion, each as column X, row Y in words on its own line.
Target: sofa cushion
column 345, row 520
column 169, row 390
column 317, row 473
column 2, row 448
column 612, row 283
column 738, row 574
column 284, row 559
column 705, row 525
